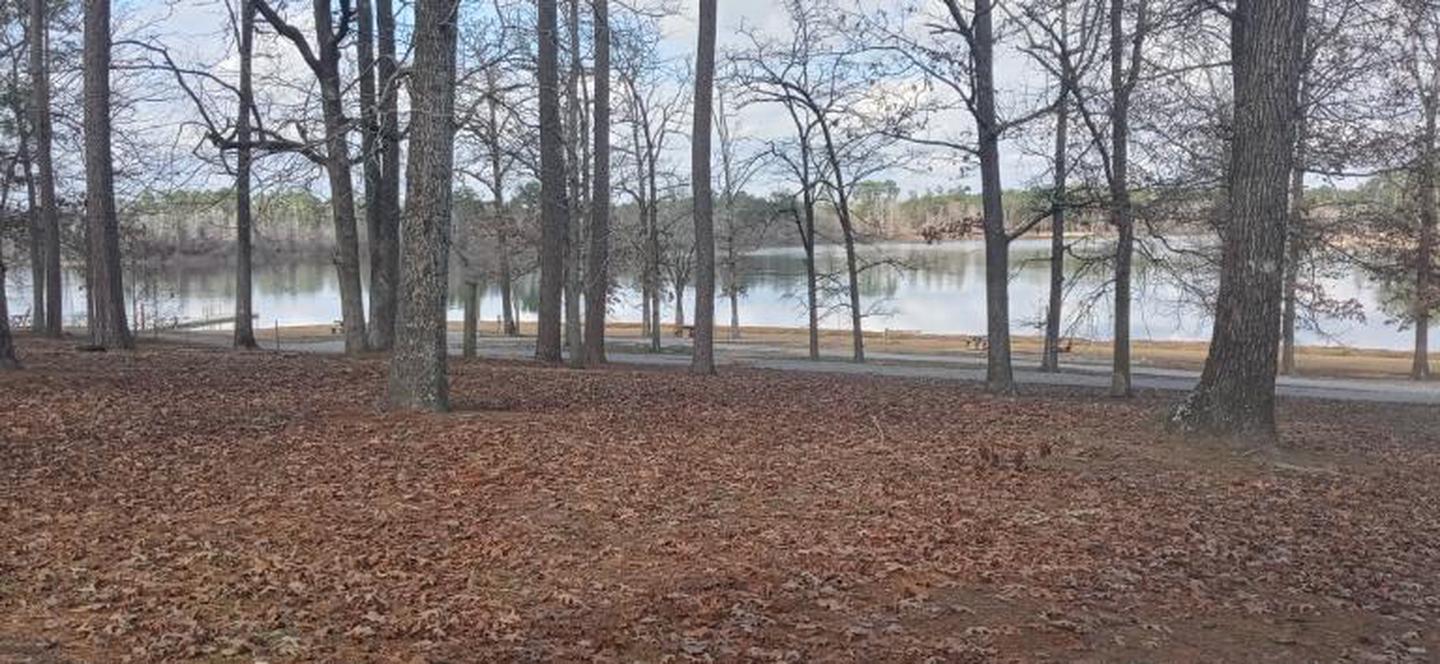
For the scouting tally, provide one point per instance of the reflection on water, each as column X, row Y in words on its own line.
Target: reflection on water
column 938, row 288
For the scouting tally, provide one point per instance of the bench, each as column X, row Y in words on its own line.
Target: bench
column 685, row 331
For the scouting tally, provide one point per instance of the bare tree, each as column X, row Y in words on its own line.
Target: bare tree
column 823, row 86
column 378, row 228
column 108, row 326
column 323, row 61
column 384, row 227
column 418, row 378
column 49, row 213
column 1236, row 393
column 554, row 202
column 244, row 328
column 703, row 352
column 739, row 229
column 954, row 50
column 576, row 127
column 597, row 277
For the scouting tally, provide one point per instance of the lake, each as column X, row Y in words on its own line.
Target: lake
column 927, row 288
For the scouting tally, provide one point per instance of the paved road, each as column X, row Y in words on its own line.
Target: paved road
column 943, row 367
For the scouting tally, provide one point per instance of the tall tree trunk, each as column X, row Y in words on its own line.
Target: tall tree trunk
column 383, row 290
column 8, row 358
column 554, row 205
column 847, row 228
column 1294, row 250
column 1120, row 210
column 44, row 167
column 574, row 141
column 108, row 326
column 382, row 293
column 652, row 207
column 497, row 191
column 597, row 277
column 702, row 360
column 1050, row 357
column 999, row 376
column 342, row 190
column 36, row 234
column 471, row 296
column 418, row 377
column 244, row 301
column 1236, row 393
column 508, row 324
column 679, row 304
column 1425, row 256
column 812, row 288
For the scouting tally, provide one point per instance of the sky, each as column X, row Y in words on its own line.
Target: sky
column 195, row 31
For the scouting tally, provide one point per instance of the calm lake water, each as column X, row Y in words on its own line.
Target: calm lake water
column 936, row 288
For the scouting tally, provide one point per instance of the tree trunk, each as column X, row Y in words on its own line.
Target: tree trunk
column 1425, row 256
column 679, row 304
column 382, row 294
column 472, row 319
column 45, row 168
column 502, row 225
column 8, row 358
column 734, row 314
column 1294, row 250
column 1236, row 393
column 999, row 376
column 383, row 304
column 107, row 326
column 645, row 306
column 342, row 191
column 36, row 232
column 652, row 207
column 1120, row 210
column 842, row 209
column 554, row 205
column 244, row 309
column 508, row 324
column 597, row 277
column 1050, row 357
column 418, row 366
column 574, row 140
column 812, row 288
column 702, row 359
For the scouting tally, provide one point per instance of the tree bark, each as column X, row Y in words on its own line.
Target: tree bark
column 1120, row 210
column 36, row 231
column 812, row 288
column 999, row 376
column 244, row 301
column 108, row 326
column 342, row 191
column 574, row 142
column 1236, row 393
column 652, row 208
column 1425, row 255
column 1294, row 250
column 45, row 169
column 702, row 359
column 497, row 192
column 418, row 376
column 472, row 319
column 8, row 357
column 1050, row 357
column 554, row 205
column 597, row 277
column 383, row 296
column 382, row 293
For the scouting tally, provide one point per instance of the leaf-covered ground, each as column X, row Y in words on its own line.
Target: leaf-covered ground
column 178, row 503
